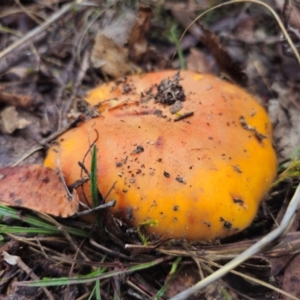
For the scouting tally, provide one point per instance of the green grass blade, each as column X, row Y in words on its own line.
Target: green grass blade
column 95, row 193
column 94, row 184
column 98, row 294
column 15, row 214
column 97, row 275
column 39, row 225
column 175, row 39
column 171, row 277
column 92, row 293
column 15, row 229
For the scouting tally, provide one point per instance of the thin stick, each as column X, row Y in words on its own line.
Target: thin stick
column 65, row 232
column 45, row 141
column 109, row 251
column 27, row 12
column 22, row 41
column 255, row 280
column 16, row 260
column 95, row 209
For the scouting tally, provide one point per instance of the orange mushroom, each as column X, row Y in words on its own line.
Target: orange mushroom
column 200, row 172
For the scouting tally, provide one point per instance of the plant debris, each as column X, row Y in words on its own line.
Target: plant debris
column 169, row 91
column 11, row 121
column 183, row 116
column 224, row 60
column 244, row 124
column 29, row 186
column 50, row 55
column 111, row 58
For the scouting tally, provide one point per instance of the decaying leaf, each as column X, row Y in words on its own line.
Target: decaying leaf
column 11, row 121
column 110, row 53
column 197, row 61
column 291, row 19
column 119, row 28
column 290, row 12
column 190, row 275
column 184, row 279
column 292, row 278
column 284, row 113
column 223, row 59
column 38, row 188
column 15, row 99
column 111, row 58
column 137, row 43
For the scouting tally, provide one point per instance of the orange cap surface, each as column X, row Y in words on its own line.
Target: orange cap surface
column 201, row 177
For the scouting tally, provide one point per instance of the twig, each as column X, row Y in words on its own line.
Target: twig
column 140, row 292
column 45, row 141
column 78, row 183
column 109, row 251
column 16, row 260
column 27, row 12
column 78, row 80
column 188, row 114
column 95, row 209
column 63, row 181
column 255, row 280
column 64, row 231
column 22, row 41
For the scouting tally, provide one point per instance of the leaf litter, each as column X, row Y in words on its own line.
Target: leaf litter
column 46, row 65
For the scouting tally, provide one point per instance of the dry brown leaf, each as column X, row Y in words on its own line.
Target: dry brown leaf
column 223, row 59
column 188, row 277
column 212, row 43
column 111, row 58
column 137, row 43
column 38, row 188
column 292, row 278
column 247, row 29
column 17, row 73
column 11, row 121
column 290, row 11
column 185, row 278
column 15, row 99
column 121, row 47
column 13, row 146
column 284, row 113
column 119, row 28
column 196, row 61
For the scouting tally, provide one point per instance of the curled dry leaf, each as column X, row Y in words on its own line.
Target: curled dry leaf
column 137, row 41
column 111, row 58
column 197, row 61
column 183, row 280
column 109, row 52
column 120, row 27
column 10, row 259
column 38, row 188
column 21, row 98
column 11, row 121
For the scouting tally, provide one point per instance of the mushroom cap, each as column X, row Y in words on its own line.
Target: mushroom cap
column 201, row 177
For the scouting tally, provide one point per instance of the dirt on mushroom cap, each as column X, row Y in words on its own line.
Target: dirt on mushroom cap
column 219, row 159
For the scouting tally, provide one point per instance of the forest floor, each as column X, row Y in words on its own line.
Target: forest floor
column 49, row 60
